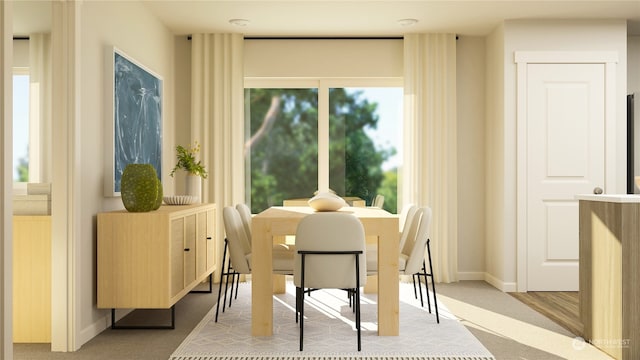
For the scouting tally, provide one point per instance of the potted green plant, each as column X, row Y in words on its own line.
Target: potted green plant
column 193, row 168
column 187, row 161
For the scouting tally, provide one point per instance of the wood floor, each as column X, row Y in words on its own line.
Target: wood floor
column 560, row 306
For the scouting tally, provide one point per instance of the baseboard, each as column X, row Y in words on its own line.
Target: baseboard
column 471, row 275
column 99, row 326
column 93, row 330
column 499, row 284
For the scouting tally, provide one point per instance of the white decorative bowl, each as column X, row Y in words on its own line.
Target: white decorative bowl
column 326, row 202
column 180, row 199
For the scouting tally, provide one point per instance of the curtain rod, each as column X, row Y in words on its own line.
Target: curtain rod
column 318, row 38
column 324, row 38
column 321, row 38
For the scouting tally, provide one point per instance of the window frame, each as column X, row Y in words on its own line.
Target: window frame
column 323, row 85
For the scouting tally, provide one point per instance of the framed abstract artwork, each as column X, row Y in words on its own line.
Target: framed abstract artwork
column 134, row 125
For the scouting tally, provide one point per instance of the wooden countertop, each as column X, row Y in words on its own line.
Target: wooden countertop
column 616, row 198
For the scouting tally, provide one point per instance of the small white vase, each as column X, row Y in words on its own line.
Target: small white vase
column 193, row 186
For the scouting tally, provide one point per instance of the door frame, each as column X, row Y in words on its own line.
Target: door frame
column 6, row 183
column 523, row 58
column 65, row 226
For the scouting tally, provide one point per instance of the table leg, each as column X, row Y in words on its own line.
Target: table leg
column 279, row 281
column 261, row 279
column 371, row 287
column 388, row 285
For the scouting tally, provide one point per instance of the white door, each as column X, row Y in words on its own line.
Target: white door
column 565, row 156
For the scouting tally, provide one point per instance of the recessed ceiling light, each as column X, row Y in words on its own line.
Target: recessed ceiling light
column 239, row 22
column 407, row 22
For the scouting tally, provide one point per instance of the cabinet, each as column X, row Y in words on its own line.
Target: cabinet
column 610, row 272
column 151, row 260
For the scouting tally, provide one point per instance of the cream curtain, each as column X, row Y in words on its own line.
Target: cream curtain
column 40, row 123
column 217, row 110
column 430, row 171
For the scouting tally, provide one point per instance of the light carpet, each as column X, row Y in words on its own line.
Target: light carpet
column 329, row 331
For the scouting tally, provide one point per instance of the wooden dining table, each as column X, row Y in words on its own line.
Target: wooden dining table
column 279, row 221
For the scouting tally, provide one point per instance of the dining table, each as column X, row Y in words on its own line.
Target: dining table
column 278, row 221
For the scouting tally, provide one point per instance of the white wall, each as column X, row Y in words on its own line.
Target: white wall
column 633, row 64
column 495, row 159
column 470, row 75
column 541, row 35
column 21, row 53
column 130, row 27
column 633, row 87
column 181, row 127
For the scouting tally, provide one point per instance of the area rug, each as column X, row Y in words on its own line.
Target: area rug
column 329, row 331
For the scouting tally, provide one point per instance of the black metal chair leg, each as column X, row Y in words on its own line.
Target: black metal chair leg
column 357, row 300
column 233, row 280
column 420, row 291
column 224, row 256
column 231, row 273
column 297, row 303
column 433, row 283
column 426, row 284
column 302, row 301
column 237, row 286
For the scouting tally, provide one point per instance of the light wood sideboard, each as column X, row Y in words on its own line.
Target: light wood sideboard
column 151, row 260
column 31, row 279
column 610, row 272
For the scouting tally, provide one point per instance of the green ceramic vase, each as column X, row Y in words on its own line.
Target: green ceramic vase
column 140, row 188
column 159, row 197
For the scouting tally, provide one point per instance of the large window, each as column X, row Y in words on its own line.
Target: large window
column 331, row 135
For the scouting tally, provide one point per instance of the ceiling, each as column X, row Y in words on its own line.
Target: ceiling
column 354, row 18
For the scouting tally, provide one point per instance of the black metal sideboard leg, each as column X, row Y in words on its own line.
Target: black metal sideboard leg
column 171, row 326
column 205, row 291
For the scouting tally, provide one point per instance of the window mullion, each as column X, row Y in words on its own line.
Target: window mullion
column 323, row 136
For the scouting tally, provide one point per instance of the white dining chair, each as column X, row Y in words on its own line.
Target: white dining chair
column 378, row 201
column 409, row 229
column 245, row 215
column 407, row 211
column 238, row 246
column 411, row 260
column 330, row 255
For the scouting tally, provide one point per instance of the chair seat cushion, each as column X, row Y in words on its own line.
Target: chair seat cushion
column 372, row 261
column 283, row 258
column 402, row 262
column 372, row 258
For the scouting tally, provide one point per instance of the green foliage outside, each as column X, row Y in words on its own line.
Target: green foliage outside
column 23, row 169
column 389, row 189
column 284, row 147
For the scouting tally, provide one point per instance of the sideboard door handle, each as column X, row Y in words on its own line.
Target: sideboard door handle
column 208, row 237
column 187, row 249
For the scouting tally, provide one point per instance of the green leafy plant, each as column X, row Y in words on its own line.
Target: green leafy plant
column 187, row 161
